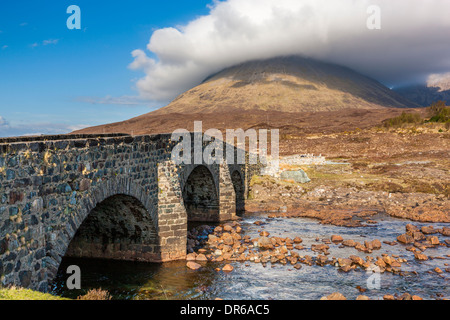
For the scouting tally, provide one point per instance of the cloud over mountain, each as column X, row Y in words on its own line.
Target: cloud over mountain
column 414, row 40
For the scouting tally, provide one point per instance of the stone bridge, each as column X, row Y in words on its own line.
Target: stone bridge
column 104, row 196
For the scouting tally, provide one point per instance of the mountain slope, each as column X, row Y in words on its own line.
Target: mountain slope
column 437, row 88
column 289, row 84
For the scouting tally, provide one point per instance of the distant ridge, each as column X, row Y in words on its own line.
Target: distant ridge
column 437, row 88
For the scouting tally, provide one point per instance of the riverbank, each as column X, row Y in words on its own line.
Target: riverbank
column 346, row 195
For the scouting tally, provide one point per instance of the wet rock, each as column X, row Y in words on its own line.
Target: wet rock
column 193, row 266
column 437, row 270
column 345, row 268
column 376, row 244
column 334, row 296
column 191, row 257
column 411, row 228
column 258, row 223
column 320, row 248
column 428, row 230
column 321, row 260
column 349, row 243
column 227, row 228
column 416, row 298
column 405, row 296
column 420, row 256
column 380, row 262
column 418, row 236
column 357, row 260
column 264, row 234
column 405, row 239
column 336, row 238
column 362, row 297
column 297, row 240
column 265, row 243
column 344, row 262
column 227, row 239
column 433, row 240
column 388, row 297
column 445, row 231
column 227, row 268
column 201, row 257
column 388, row 260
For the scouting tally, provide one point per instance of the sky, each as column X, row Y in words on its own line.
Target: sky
column 55, row 80
column 132, row 57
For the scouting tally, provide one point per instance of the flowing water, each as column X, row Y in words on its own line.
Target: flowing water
column 131, row 280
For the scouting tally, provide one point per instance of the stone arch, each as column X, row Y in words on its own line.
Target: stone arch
column 118, row 228
column 201, row 195
column 239, row 189
column 121, row 190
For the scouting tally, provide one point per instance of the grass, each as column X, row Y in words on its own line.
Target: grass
column 15, row 293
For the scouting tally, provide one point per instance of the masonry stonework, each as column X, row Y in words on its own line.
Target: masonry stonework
column 104, row 196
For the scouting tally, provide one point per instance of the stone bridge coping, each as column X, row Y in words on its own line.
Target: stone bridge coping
column 44, row 142
column 41, row 143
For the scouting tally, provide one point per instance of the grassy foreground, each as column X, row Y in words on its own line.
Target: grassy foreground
column 15, row 293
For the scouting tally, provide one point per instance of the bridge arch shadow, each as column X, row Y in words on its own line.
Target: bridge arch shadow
column 239, row 189
column 200, row 195
column 118, row 228
column 114, row 220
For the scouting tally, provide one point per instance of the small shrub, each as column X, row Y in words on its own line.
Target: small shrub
column 404, row 118
column 439, row 112
column 96, row 294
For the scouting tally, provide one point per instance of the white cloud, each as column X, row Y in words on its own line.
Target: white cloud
column 38, row 128
column 50, row 41
column 414, row 40
column 109, row 100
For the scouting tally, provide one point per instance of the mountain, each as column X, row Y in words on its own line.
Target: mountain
column 437, row 88
column 288, row 84
column 290, row 93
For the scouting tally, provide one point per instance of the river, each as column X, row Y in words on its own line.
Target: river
column 132, row 280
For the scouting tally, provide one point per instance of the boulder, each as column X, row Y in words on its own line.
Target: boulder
column 428, row 230
column 334, row 296
column 228, row 268
column 298, row 176
column 336, row 238
column 420, row 256
column 201, row 257
column 265, row 243
column 193, row 266
column 405, row 238
column 445, row 231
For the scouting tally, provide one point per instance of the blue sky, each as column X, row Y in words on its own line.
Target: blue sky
column 51, row 76
column 131, row 57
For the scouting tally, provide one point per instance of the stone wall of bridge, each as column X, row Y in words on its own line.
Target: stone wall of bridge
column 115, row 197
